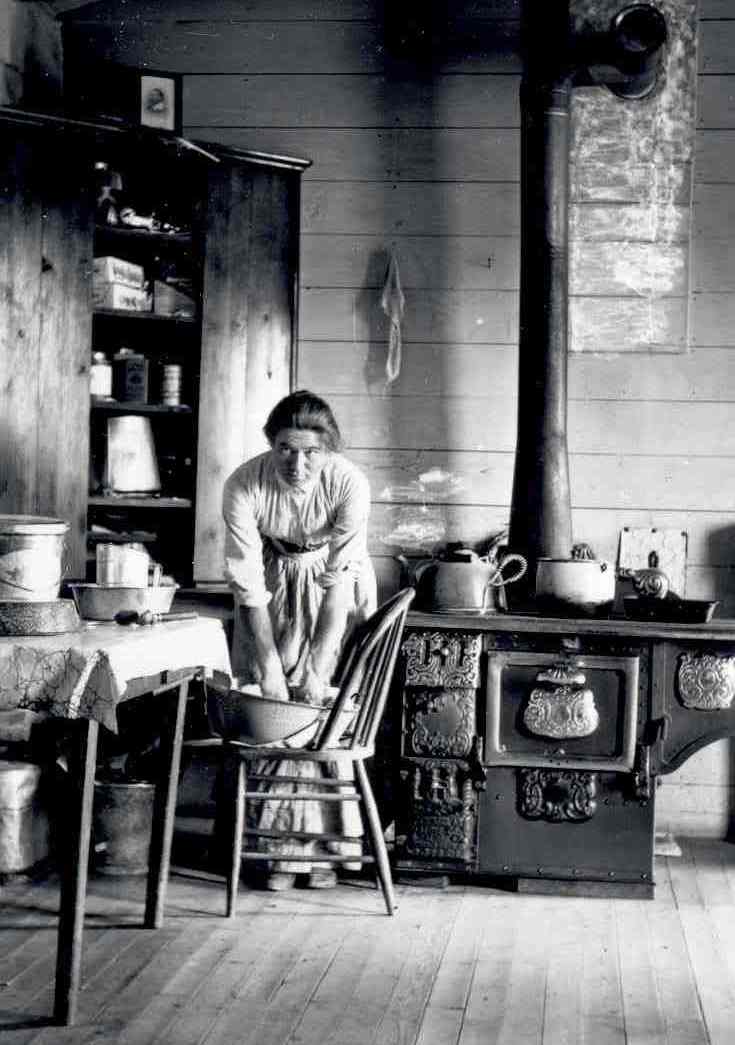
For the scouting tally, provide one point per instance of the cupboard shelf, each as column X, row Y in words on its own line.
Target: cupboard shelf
column 105, row 406
column 144, row 237
column 102, row 501
column 149, row 317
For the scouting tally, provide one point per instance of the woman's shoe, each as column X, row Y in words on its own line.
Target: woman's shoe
column 279, row 881
column 321, row 880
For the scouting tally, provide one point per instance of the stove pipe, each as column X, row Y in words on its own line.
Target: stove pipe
column 626, row 59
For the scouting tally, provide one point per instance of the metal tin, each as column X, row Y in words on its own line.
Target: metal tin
column 171, row 384
column 130, row 376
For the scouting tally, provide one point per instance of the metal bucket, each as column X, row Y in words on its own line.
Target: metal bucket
column 121, row 827
column 31, row 557
column 24, row 825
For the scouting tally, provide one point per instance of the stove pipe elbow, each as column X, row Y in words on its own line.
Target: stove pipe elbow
column 627, row 58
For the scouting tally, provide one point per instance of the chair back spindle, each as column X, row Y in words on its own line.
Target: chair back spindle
column 367, row 673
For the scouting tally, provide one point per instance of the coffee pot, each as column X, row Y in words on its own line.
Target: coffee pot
column 459, row 580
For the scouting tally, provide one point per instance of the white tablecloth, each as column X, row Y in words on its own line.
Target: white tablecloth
column 85, row 673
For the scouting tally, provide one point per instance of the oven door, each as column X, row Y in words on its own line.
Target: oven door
column 548, row 710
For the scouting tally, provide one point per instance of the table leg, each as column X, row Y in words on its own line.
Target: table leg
column 74, row 857
column 164, row 811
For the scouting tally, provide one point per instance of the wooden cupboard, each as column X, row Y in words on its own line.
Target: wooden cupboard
column 234, row 244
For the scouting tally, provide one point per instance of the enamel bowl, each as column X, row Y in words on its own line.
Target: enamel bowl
column 95, row 602
column 243, row 713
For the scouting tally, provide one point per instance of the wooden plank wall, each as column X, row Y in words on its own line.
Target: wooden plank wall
column 428, row 163
column 426, row 160
column 30, row 54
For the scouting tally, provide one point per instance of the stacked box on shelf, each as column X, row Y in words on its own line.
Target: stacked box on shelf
column 119, row 284
column 168, row 300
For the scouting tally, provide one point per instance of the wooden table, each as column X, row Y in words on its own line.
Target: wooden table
column 81, row 677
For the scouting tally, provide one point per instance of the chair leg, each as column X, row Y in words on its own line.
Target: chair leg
column 238, row 824
column 376, row 837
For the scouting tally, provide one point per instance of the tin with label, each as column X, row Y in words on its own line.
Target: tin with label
column 130, row 376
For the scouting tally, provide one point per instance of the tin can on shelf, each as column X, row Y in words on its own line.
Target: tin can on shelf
column 171, row 384
column 123, row 565
column 100, row 376
column 130, row 376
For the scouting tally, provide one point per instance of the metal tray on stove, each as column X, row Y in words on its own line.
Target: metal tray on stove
column 669, row 611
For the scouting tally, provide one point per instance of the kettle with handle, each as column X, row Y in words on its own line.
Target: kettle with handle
column 461, row 580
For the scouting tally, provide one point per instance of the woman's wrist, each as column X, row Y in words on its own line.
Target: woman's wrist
column 317, row 664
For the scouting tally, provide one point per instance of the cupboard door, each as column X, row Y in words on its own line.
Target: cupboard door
column 65, row 343
column 248, row 321
column 45, row 328
column 20, row 317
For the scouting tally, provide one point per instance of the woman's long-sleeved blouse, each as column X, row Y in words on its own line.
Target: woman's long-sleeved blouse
column 258, row 505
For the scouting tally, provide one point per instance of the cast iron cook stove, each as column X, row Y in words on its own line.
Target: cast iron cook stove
column 530, row 746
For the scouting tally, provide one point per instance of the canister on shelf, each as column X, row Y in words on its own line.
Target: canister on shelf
column 123, row 565
column 171, row 384
column 100, row 376
column 130, row 376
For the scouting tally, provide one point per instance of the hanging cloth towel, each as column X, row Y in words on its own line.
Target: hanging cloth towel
column 393, row 302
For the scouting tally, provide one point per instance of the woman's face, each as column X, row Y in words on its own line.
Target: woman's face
column 299, row 455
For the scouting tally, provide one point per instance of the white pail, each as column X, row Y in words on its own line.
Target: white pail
column 131, row 465
column 31, row 557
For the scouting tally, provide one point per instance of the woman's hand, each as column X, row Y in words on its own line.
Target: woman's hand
column 268, row 667
column 273, row 683
column 313, row 687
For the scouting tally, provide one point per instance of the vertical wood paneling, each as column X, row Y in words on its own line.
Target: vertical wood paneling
column 224, row 355
column 426, row 160
column 247, row 331
column 271, row 278
column 20, row 283
column 65, row 339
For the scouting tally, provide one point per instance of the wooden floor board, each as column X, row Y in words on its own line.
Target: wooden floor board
column 642, row 1009
column 488, row 999
column 563, row 1002
column 465, row 965
column 357, row 1023
column 401, row 1021
column 602, row 1002
column 676, row 987
column 527, row 988
column 237, row 1020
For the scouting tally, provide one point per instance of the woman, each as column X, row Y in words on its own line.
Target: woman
column 296, row 559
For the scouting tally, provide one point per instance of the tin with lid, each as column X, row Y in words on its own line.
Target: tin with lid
column 130, row 376
column 31, row 557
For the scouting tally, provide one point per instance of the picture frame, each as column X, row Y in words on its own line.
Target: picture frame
column 160, row 101
column 121, row 93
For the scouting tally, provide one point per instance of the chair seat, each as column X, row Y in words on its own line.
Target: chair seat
column 251, row 752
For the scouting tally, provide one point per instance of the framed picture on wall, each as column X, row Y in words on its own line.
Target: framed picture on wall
column 123, row 93
column 160, row 101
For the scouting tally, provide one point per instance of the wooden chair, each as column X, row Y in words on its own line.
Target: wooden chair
column 366, row 671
